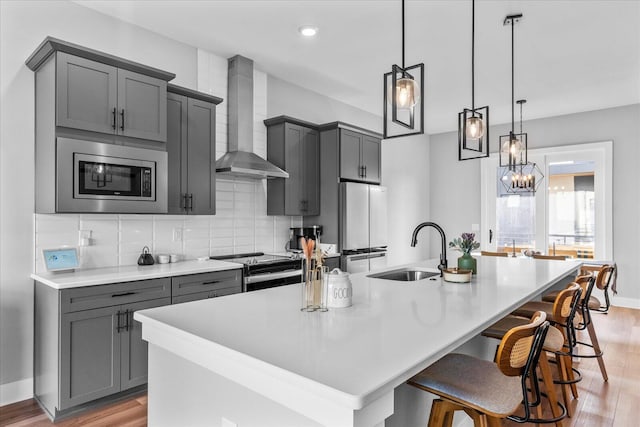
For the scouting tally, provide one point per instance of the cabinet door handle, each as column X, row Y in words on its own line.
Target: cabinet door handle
column 122, row 121
column 490, row 235
column 123, row 294
column 113, row 125
column 211, row 282
column 365, row 170
column 190, row 204
column 119, row 327
column 184, row 202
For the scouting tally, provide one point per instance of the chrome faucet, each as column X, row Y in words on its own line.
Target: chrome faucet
column 443, row 250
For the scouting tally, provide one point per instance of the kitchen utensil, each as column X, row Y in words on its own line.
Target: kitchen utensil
column 456, row 275
column 145, row 257
column 164, row 259
column 340, row 290
column 174, row 258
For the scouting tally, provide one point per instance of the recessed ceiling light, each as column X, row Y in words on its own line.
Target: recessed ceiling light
column 308, row 30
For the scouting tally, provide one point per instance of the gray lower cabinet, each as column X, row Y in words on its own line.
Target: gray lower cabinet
column 194, row 287
column 294, row 146
column 97, row 97
column 86, row 343
column 191, row 147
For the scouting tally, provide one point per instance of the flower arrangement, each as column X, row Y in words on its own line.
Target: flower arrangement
column 465, row 243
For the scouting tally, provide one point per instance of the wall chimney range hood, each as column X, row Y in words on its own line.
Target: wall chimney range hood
column 240, row 160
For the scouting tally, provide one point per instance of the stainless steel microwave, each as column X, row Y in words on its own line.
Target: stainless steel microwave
column 97, row 177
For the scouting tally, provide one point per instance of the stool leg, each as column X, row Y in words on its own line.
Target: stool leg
column 596, row 348
column 547, row 379
column 562, row 373
column 442, row 413
column 570, row 374
column 479, row 419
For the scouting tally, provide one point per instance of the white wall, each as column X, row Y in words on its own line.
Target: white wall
column 300, row 103
column 455, row 193
column 405, row 173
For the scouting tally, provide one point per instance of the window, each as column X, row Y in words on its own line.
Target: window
column 570, row 214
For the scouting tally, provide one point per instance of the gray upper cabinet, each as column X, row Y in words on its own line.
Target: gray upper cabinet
column 370, row 151
column 81, row 90
column 101, row 98
column 191, row 147
column 86, row 94
column 350, row 165
column 294, row 146
column 142, row 106
column 359, row 157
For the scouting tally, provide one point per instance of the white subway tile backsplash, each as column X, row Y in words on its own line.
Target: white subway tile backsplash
column 99, row 255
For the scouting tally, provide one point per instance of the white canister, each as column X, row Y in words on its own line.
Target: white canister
column 339, row 289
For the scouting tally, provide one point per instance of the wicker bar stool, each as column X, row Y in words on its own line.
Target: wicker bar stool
column 561, row 314
column 553, row 343
column 484, row 390
column 584, row 321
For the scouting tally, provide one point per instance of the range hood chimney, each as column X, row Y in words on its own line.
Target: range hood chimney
column 240, row 160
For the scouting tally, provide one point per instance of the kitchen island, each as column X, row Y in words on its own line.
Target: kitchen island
column 255, row 360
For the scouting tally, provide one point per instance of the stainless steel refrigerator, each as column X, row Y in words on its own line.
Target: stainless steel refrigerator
column 363, row 226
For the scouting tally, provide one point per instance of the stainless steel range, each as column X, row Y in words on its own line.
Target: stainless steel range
column 266, row 271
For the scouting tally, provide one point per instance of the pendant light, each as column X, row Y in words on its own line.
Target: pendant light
column 404, row 95
column 525, row 178
column 513, row 147
column 473, row 124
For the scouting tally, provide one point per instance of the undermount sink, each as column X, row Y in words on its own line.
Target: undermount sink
column 405, row 274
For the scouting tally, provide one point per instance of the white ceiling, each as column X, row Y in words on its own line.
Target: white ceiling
column 571, row 55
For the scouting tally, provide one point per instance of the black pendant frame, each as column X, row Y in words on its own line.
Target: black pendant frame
column 394, row 126
column 510, row 161
column 466, row 149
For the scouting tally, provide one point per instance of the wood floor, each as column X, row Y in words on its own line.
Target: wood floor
column 615, row 403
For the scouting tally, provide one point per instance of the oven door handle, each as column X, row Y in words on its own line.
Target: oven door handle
column 272, row 276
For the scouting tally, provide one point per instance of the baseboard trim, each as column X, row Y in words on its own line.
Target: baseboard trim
column 625, row 302
column 16, row 391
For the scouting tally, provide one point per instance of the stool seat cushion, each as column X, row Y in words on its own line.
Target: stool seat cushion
column 552, row 342
column 594, row 303
column 551, row 296
column 472, row 382
column 529, row 308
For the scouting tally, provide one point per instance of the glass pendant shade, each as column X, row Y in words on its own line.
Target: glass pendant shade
column 513, row 150
column 407, row 93
column 474, row 128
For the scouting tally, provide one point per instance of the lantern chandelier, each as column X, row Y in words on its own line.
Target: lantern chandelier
column 525, row 178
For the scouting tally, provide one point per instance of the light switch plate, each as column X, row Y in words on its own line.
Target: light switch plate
column 177, row 234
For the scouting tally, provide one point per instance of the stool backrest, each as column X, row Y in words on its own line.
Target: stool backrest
column 605, row 275
column 516, row 347
column 566, row 302
column 488, row 253
column 553, row 257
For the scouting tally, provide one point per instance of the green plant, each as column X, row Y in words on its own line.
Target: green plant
column 465, row 243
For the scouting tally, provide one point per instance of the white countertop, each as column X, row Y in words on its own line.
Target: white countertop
column 128, row 273
column 349, row 356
